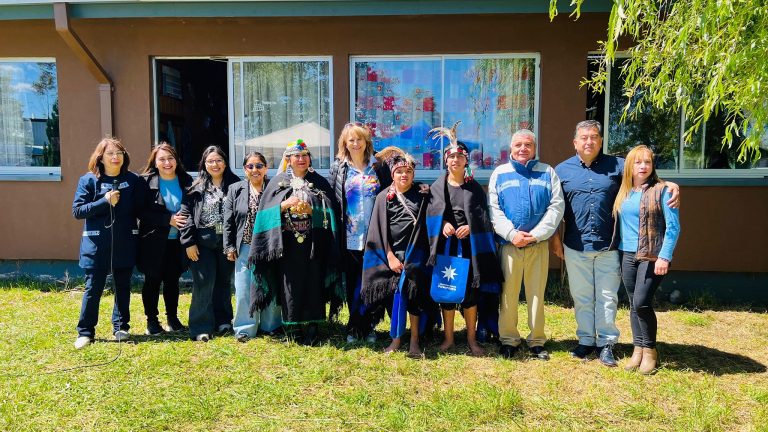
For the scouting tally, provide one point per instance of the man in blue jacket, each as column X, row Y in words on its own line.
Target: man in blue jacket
column 526, row 208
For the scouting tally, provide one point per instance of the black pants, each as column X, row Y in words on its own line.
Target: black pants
column 168, row 276
column 362, row 319
column 641, row 283
column 211, row 285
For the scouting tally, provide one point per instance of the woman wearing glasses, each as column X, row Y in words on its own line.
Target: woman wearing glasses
column 202, row 237
column 240, row 209
column 107, row 198
column 161, row 259
column 356, row 178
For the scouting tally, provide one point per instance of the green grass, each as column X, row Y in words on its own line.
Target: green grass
column 708, row 380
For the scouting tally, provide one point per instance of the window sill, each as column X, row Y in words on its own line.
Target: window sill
column 41, row 174
column 751, row 177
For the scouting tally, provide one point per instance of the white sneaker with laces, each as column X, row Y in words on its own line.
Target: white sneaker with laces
column 82, row 342
column 203, row 337
column 122, row 335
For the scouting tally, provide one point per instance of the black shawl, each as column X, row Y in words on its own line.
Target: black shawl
column 485, row 263
column 267, row 241
column 379, row 281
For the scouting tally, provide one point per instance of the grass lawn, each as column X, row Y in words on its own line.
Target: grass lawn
column 713, row 378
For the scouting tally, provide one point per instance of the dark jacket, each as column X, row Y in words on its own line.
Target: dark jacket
column 100, row 231
column 235, row 213
column 337, row 178
column 191, row 207
column 154, row 224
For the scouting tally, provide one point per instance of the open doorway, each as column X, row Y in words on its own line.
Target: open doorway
column 191, row 106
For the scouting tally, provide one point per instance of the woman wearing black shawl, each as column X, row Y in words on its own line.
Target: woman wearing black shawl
column 294, row 249
column 395, row 253
column 459, row 207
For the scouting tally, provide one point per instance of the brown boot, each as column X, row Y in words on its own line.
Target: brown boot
column 634, row 362
column 648, row 364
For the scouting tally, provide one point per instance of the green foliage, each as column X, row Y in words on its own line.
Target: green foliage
column 699, row 57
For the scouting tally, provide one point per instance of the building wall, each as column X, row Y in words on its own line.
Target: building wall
column 37, row 222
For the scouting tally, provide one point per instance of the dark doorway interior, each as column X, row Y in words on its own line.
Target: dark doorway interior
column 192, row 106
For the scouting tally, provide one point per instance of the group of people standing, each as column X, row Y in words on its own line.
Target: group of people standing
column 369, row 237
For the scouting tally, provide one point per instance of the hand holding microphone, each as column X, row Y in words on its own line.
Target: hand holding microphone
column 113, row 196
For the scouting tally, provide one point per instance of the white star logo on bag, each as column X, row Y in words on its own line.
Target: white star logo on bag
column 449, row 273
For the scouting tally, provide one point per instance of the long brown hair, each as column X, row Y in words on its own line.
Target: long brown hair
column 361, row 131
column 151, row 167
column 626, row 178
column 95, row 164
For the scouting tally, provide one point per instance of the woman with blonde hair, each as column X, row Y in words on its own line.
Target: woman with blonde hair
column 649, row 230
column 356, row 178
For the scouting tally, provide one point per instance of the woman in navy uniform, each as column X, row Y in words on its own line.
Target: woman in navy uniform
column 202, row 238
column 161, row 257
column 107, row 198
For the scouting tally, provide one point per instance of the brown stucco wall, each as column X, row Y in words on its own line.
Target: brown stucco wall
column 37, row 222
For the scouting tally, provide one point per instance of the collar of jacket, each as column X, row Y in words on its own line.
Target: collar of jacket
column 526, row 168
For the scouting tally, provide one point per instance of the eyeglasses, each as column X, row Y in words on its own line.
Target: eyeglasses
column 113, row 154
column 214, row 162
column 358, row 124
column 167, row 160
column 256, row 166
column 300, row 156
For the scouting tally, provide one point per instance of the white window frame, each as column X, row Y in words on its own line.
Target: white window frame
column 32, row 173
column 482, row 175
column 679, row 172
column 235, row 165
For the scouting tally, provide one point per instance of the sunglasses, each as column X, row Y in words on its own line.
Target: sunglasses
column 254, row 166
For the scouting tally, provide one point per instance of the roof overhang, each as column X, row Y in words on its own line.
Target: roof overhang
column 95, row 9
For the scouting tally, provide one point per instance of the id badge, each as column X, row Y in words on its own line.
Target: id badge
column 219, row 228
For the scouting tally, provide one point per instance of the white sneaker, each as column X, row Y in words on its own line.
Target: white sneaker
column 351, row 339
column 371, row 338
column 203, row 337
column 122, row 335
column 82, row 342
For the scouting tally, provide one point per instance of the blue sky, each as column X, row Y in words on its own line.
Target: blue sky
column 23, row 75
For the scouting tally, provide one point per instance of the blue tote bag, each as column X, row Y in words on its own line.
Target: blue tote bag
column 449, row 276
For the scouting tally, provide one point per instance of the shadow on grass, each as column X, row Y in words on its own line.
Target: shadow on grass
column 682, row 357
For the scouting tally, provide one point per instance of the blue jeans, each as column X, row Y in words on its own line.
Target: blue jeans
column 94, row 287
column 268, row 319
column 594, row 279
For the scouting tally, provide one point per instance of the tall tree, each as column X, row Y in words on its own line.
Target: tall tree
column 704, row 58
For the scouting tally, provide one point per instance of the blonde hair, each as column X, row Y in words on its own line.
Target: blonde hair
column 359, row 130
column 626, row 178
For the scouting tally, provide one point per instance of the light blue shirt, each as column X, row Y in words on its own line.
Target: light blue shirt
column 170, row 190
column 629, row 224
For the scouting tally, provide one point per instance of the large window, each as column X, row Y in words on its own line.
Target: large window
column 402, row 98
column 29, row 116
column 278, row 100
column 663, row 132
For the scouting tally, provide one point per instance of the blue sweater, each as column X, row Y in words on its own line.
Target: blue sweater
column 629, row 224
